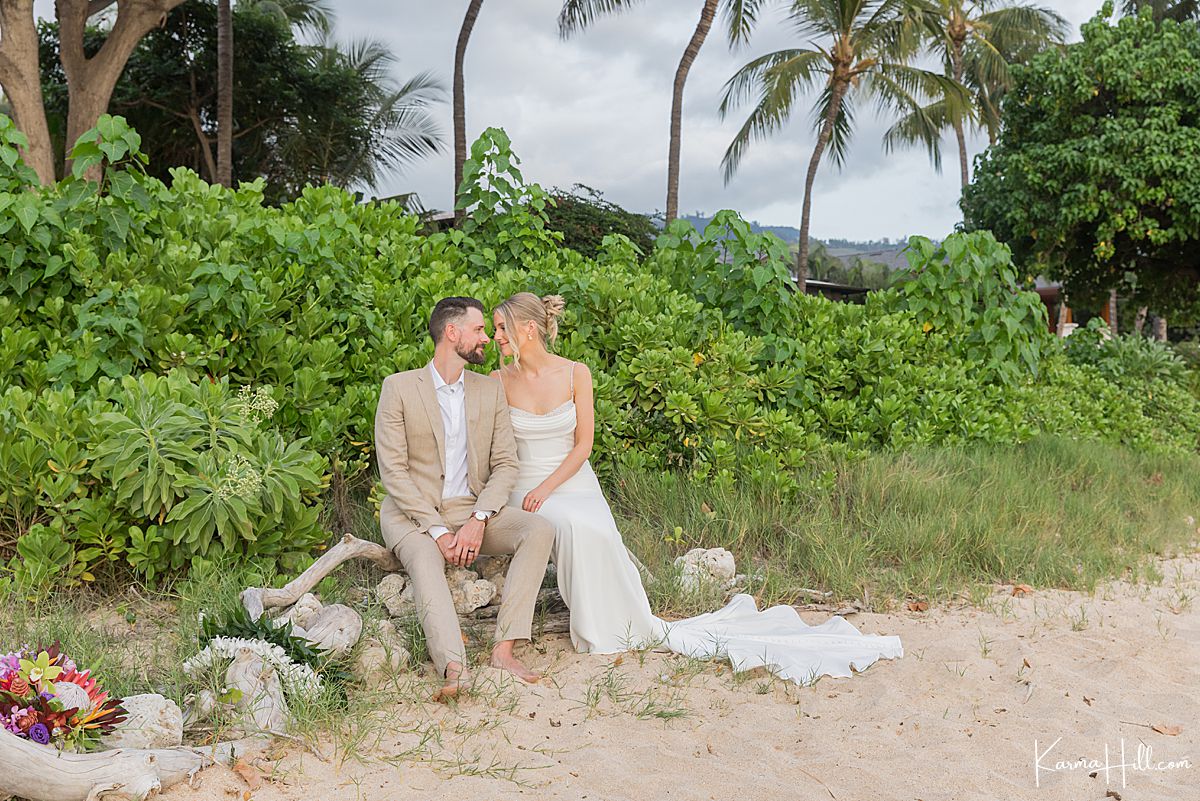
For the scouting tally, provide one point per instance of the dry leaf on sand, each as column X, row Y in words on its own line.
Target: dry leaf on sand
column 251, row 775
column 1170, row 731
column 918, row 606
column 1021, row 589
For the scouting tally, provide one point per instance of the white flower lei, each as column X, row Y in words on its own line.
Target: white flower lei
column 297, row 677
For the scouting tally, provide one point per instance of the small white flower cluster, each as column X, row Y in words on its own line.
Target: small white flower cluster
column 241, row 479
column 295, row 677
column 255, row 405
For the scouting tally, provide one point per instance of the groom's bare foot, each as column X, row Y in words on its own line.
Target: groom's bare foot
column 504, row 659
column 456, row 682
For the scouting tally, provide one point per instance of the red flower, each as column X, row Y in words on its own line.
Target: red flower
column 105, row 713
column 19, row 687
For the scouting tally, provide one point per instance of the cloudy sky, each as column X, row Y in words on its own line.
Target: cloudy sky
column 594, row 110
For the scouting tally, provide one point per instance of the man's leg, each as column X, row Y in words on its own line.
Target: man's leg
column 529, row 538
column 435, row 608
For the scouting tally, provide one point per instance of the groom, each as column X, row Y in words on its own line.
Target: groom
column 448, row 460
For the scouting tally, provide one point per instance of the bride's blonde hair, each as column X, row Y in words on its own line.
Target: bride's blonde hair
column 526, row 307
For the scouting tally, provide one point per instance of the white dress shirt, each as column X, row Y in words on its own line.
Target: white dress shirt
column 453, row 403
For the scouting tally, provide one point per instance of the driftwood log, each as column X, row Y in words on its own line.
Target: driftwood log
column 41, row 773
column 257, row 599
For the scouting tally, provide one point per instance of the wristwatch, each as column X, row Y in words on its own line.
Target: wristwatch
column 482, row 517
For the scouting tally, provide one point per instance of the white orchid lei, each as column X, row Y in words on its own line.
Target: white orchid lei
column 295, row 677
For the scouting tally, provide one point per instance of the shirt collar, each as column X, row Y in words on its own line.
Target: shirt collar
column 439, row 382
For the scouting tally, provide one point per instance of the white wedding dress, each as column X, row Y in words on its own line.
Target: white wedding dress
column 603, row 589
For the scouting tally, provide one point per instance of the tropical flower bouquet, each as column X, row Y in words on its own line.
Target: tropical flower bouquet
column 44, row 697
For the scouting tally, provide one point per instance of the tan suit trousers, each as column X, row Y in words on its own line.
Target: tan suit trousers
column 528, row 537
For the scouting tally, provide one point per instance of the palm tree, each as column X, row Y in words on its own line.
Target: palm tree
column 1162, row 10
column 864, row 52
column 977, row 40
column 386, row 127
column 224, row 93
column 460, row 99
column 740, row 16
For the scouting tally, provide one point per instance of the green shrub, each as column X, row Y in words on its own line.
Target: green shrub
column 132, row 313
column 1130, row 357
column 153, row 473
column 585, row 218
column 967, row 286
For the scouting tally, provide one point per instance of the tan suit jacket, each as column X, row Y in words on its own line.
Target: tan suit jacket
column 410, row 448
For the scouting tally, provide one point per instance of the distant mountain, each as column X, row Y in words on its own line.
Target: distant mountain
column 884, row 251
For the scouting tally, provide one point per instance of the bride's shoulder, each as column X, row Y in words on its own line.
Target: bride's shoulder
column 581, row 376
column 501, row 376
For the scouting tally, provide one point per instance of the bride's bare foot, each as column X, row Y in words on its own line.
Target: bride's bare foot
column 456, row 682
column 504, row 659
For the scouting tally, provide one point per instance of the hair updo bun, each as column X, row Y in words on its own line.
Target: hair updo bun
column 555, row 305
column 524, row 308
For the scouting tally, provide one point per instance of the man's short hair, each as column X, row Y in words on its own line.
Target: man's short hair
column 447, row 311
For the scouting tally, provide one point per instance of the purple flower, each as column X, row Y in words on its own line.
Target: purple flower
column 39, row 733
column 10, row 663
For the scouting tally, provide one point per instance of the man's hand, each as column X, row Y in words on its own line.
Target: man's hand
column 467, row 541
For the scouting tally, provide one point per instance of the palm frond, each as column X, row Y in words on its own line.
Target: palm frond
column 811, row 18
column 779, row 77
column 384, row 127
column 921, row 126
column 984, row 64
column 578, row 14
column 1016, row 27
column 901, row 88
column 843, row 125
column 740, row 18
column 895, row 29
column 314, row 16
column 768, row 71
column 408, row 131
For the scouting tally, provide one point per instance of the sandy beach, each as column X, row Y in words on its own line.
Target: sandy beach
column 955, row 719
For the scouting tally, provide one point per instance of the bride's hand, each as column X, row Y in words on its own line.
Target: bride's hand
column 535, row 498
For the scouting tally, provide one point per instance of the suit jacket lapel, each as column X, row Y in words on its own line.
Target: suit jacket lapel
column 472, row 392
column 433, row 409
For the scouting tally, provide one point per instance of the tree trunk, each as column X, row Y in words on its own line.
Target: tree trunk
column 835, row 104
column 957, row 68
column 1160, row 329
column 224, row 93
column 685, row 65
column 20, row 77
column 1139, row 320
column 460, row 111
column 90, row 81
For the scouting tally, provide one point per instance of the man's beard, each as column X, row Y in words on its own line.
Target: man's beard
column 476, row 356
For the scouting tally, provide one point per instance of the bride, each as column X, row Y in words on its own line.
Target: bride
column 553, row 419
